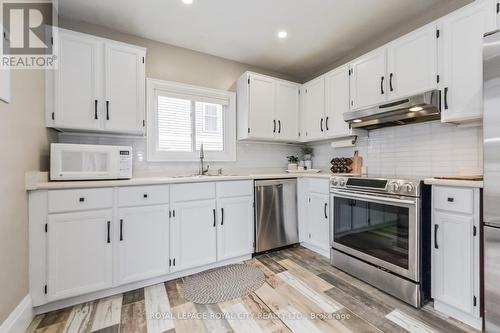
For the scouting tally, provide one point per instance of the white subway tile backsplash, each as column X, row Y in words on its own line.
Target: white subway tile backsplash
column 419, row 150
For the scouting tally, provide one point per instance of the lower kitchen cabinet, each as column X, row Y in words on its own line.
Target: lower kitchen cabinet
column 455, row 253
column 318, row 224
column 143, row 242
column 235, row 230
column 79, row 253
column 193, row 234
column 314, row 215
column 132, row 235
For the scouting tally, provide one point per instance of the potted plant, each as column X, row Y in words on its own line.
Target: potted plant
column 292, row 162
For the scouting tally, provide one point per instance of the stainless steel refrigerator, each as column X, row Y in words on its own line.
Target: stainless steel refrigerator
column 491, row 192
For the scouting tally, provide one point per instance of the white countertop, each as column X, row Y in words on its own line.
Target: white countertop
column 454, row 182
column 38, row 181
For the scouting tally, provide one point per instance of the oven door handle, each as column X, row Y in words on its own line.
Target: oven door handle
column 372, row 198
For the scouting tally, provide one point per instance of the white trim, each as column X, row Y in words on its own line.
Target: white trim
column 19, row 319
column 226, row 98
column 132, row 286
column 459, row 315
column 316, row 249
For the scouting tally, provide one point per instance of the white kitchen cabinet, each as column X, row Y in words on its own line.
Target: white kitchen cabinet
column 337, row 102
column 318, row 226
column 235, row 227
column 79, row 253
column 267, row 108
column 287, row 111
column 313, row 109
column 455, row 253
column 75, row 102
column 314, row 214
column 368, row 82
column 193, row 225
column 125, row 87
column 99, row 85
column 143, row 243
column 412, row 63
column 461, row 60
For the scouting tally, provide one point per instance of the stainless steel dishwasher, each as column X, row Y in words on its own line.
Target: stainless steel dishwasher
column 275, row 214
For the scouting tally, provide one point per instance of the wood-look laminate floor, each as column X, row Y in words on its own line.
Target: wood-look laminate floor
column 302, row 293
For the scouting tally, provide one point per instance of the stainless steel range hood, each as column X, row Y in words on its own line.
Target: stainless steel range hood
column 415, row 109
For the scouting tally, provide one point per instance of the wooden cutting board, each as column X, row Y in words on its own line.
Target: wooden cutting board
column 471, row 178
column 357, row 163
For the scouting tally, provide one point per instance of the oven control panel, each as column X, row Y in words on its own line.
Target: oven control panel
column 384, row 185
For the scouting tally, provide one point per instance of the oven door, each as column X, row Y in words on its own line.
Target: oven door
column 379, row 229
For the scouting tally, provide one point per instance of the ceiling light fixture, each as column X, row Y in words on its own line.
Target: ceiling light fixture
column 187, row 2
column 416, row 108
column 357, row 121
column 282, row 34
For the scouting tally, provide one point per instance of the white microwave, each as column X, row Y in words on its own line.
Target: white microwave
column 89, row 162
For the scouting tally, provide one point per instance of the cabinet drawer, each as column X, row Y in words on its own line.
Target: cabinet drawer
column 80, row 199
column 143, row 195
column 319, row 185
column 453, row 199
column 194, row 191
column 234, row 188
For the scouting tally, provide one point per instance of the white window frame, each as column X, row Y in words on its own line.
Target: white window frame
column 155, row 86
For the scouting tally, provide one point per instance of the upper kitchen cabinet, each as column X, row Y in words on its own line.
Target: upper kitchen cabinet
column 368, row 79
column 125, row 87
column 337, row 102
column 461, row 60
column 412, row 63
column 267, row 108
column 99, row 86
column 312, row 116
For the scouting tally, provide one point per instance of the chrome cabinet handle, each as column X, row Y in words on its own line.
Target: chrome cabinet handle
column 390, row 82
column 274, row 126
column 321, row 124
column 326, row 123
column 326, row 206
column 382, row 85
column 279, row 126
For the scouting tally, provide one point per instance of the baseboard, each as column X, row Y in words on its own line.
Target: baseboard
column 465, row 318
column 316, row 249
column 19, row 319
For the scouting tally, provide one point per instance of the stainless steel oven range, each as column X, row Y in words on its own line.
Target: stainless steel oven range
column 381, row 234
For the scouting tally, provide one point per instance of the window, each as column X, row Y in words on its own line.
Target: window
column 183, row 117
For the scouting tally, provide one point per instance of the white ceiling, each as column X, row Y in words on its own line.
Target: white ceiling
column 319, row 31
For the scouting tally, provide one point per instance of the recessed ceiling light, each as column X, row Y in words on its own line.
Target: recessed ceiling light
column 187, row 2
column 416, row 108
column 282, row 34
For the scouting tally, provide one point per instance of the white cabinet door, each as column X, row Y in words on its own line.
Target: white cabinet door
column 261, row 107
column 412, row 63
column 79, row 253
column 193, row 234
column 143, row 243
column 235, row 230
column 318, row 221
column 287, row 111
column 336, row 102
column 125, row 88
column 314, row 108
column 461, row 61
column 77, row 89
column 368, row 79
column 453, row 270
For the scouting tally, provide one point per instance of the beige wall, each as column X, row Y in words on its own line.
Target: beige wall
column 168, row 62
column 24, row 147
